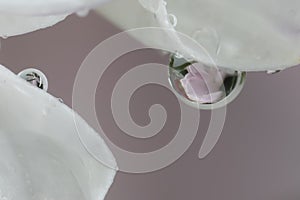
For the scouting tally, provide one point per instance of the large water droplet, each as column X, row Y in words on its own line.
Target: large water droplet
column 204, row 87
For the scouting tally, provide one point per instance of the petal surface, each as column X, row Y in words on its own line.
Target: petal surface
column 12, row 25
column 22, row 16
column 42, row 155
column 238, row 34
column 46, row 7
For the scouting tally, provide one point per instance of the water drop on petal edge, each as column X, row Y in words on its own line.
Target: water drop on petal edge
column 202, row 86
column 4, row 36
column 173, row 20
column 35, row 77
column 273, row 71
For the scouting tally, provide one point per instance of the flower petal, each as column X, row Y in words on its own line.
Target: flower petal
column 212, row 97
column 24, row 16
column 239, row 35
column 12, row 25
column 46, row 7
column 42, row 156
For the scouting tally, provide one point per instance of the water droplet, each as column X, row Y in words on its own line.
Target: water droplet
column 209, row 39
column 60, row 100
column 35, row 77
column 273, row 71
column 4, row 36
column 178, row 55
column 83, row 13
column 202, row 86
column 173, row 20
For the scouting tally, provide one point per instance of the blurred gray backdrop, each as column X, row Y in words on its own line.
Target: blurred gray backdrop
column 256, row 158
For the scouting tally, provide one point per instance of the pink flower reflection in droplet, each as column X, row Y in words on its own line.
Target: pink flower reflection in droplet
column 204, row 84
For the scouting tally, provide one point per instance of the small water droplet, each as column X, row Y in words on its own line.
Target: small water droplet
column 178, row 55
column 83, row 13
column 173, row 20
column 60, row 100
column 35, row 77
column 273, row 71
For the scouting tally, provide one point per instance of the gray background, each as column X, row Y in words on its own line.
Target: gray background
column 256, row 158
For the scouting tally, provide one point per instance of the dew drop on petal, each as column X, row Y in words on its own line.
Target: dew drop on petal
column 202, row 86
column 35, row 77
column 60, row 100
column 178, row 55
column 273, row 71
column 173, row 20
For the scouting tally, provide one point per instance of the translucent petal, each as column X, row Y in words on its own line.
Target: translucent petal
column 238, row 34
column 41, row 154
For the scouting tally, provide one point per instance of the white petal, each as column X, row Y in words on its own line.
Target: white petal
column 11, row 25
column 24, row 16
column 41, row 154
column 244, row 35
column 46, row 7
